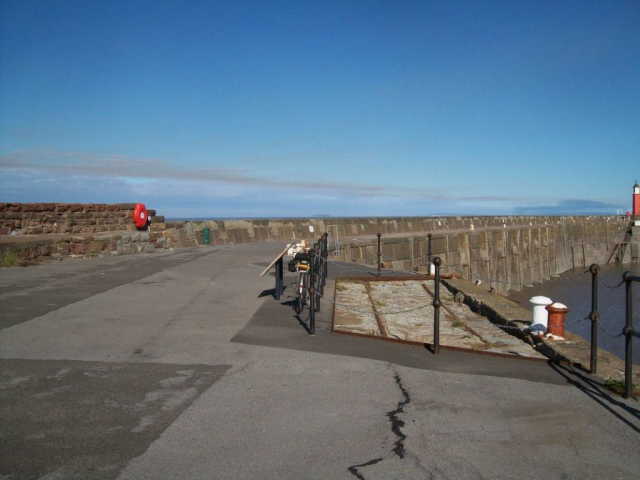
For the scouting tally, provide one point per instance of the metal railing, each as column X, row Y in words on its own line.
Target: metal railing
column 629, row 333
column 319, row 267
column 317, row 278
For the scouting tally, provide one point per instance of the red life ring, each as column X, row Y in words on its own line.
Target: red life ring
column 140, row 216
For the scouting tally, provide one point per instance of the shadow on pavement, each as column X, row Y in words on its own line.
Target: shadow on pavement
column 596, row 391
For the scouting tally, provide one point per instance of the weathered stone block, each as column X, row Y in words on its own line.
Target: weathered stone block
column 13, row 207
column 75, row 207
column 127, row 206
column 32, row 207
column 62, row 248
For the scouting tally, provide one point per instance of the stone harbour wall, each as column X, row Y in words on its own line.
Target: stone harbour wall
column 29, row 250
column 70, row 218
column 504, row 258
column 511, row 250
column 230, row 232
column 34, row 231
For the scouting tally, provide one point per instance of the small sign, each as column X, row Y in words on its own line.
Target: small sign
column 311, row 228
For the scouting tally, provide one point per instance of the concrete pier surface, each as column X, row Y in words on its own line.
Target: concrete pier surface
column 183, row 365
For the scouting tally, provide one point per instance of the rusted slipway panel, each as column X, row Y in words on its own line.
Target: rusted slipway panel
column 401, row 309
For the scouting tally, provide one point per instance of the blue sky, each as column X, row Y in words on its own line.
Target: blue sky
column 372, row 108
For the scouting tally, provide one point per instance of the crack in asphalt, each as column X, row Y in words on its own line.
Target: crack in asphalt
column 396, row 423
column 396, row 428
column 354, row 470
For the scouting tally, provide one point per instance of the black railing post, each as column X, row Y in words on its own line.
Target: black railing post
column 429, row 253
column 379, row 254
column 326, row 255
column 279, row 278
column 312, row 294
column 593, row 316
column 321, row 262
column 325, row 259
column 322, row 265
column 628, row 332
column 436, row 308
column 318, row 272
column 316, row 248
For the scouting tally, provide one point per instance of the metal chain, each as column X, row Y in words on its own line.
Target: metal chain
column 507, row 327
column 612, row 287
column 574, row 322
column 607, row 333
column 346, row 307
column 420, row 307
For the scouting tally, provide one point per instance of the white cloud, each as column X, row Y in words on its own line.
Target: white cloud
column 51, row 175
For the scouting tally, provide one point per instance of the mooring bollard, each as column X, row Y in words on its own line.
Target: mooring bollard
column 436, row 308
column 593, row 316
column 557, row 313
column 540, row 315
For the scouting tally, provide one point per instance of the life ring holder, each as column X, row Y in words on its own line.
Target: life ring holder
column 140, row 216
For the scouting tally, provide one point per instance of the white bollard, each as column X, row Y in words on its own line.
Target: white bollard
column 540, row 313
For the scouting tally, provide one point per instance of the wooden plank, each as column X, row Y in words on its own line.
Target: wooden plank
column 275, row 260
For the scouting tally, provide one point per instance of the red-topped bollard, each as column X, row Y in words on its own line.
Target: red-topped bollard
column 557, row 313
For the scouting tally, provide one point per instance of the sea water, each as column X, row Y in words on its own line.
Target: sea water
column 573, row 288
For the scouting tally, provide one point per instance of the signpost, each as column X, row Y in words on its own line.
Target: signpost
column 278, row 262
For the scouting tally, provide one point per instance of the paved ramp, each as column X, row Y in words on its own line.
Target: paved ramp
column 186, row 367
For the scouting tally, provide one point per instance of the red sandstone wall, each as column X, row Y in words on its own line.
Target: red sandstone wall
column 70, row 218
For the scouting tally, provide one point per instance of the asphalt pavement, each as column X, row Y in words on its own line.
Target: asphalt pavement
column 183, row 366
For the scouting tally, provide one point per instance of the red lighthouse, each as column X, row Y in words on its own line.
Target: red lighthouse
column 636, row 199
